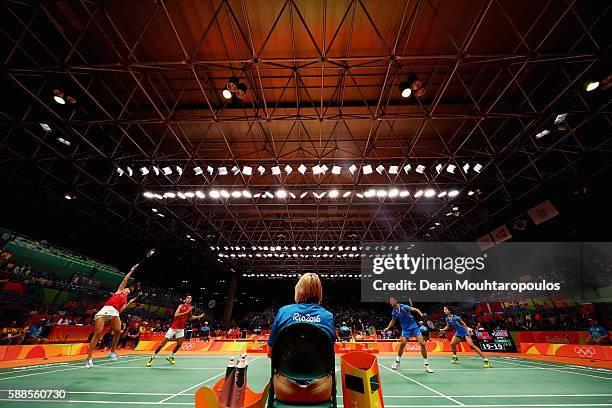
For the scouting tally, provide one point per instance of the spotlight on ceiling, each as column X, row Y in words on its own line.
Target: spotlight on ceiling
column 353, row 169
column 247, row 170
column 591, row 86
column 367, row 169
column 412, row 85
column 45, row 126
column 232, row 85
column 453, row 193
column 58, row 97
column 405, row 90
column 541, row 134
column 333, row 194
column 281, row 194
column 302, row 169
column 241, row 91
column 227, row 94
column 430, row 193
column 477, row 167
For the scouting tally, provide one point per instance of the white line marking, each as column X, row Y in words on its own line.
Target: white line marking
column 85, row 402
column 197, row 385
column 556, row 369
column 422, row 385
column 565, row 367
column 121, row 360
column 389, row 406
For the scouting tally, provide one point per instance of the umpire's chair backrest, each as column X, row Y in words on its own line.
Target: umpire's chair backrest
column 302, row 351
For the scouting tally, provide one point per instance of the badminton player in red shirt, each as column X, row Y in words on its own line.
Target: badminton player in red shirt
column 110, row 313
column 177, row 329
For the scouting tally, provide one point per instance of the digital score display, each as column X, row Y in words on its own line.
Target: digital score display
column 497, row 340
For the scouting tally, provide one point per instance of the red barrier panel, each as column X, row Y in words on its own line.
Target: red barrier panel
column 70, row 334
column 553, row 337
column 568, row 350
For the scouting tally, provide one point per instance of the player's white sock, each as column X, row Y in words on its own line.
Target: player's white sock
column 397, row 359
column 153, row 356
column 425, row 361
column 173, row 354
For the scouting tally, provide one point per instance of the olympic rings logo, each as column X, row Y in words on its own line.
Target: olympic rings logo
column 188, row 346
column 585, row 352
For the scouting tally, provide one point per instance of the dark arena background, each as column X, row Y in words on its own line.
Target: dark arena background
column 255, row 157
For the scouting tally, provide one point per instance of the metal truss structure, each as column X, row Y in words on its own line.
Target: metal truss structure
column 322, row 79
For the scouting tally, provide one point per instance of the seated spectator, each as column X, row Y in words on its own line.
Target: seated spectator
column 344, row 332
column 205, row 331
column 306, row 309
column 34, row 335
column 598, row 334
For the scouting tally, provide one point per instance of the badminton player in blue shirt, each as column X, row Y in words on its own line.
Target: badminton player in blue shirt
column 461, row 332
column 410, row 328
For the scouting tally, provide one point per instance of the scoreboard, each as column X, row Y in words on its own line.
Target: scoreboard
column 497, row 340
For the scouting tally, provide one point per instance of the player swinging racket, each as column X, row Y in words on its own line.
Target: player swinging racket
column 176, row 330
column 409, row 328
column 461, row 332
column 110, row 313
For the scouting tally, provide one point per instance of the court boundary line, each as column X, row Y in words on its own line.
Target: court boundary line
column 121, row 360
column 422, row 385
column 560, row 370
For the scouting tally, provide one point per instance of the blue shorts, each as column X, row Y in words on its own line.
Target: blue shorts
column 462, row 334
column 407, row 333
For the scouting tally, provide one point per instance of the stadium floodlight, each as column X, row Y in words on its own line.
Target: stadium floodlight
column 235, row 170
column 210, row 170
column 381, row 194
column 181, row 195
column 439, row 168
column 275, row 170
column 130, row 172
column 246, row 194
column 380, row 168
column 455, row 208
column 303, row 194
column 292, row 195
column 541, row 134
column 256, row 195
column 404, row 193
column 591, row 86
column 63, row 141
column 420, row 169
column 120, row 171
column 214, row 194
column 353, row 169
column 336, row 170
column 394, row 192
column 158, row 196
column 200, row 194
column 333, row 194
column 441, row 194
column 453, row 193
column 281, row 194
column 370, row 193
column 261, row 169
column 169, row 195
column 393, row 169
column 156, row 170
column 148, row 194
column 324, row 169
column 430, row 193
column 268, row 194
column 451, row 168
column 179, row 170
column 471, row 192
column 359, row 195
column 477, row 167
column 418, row 193
column 407, row 168
column 319, row 196
column 154, row 210
column 302, row 169
column 189, row 194
column 466, row 167
column 224, row 194
column 167, row 171
column 45, row 126
column 346, row 194
column 198, row 171
column 288, row 169
column 316, row 170
column 236, row 194
column 222, row 171
column 367, row 169
column 247, row 170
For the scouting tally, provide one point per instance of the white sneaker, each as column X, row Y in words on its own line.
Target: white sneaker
column 428, row 368
column 113, row 356
column 89, row 363
column 395, row 365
